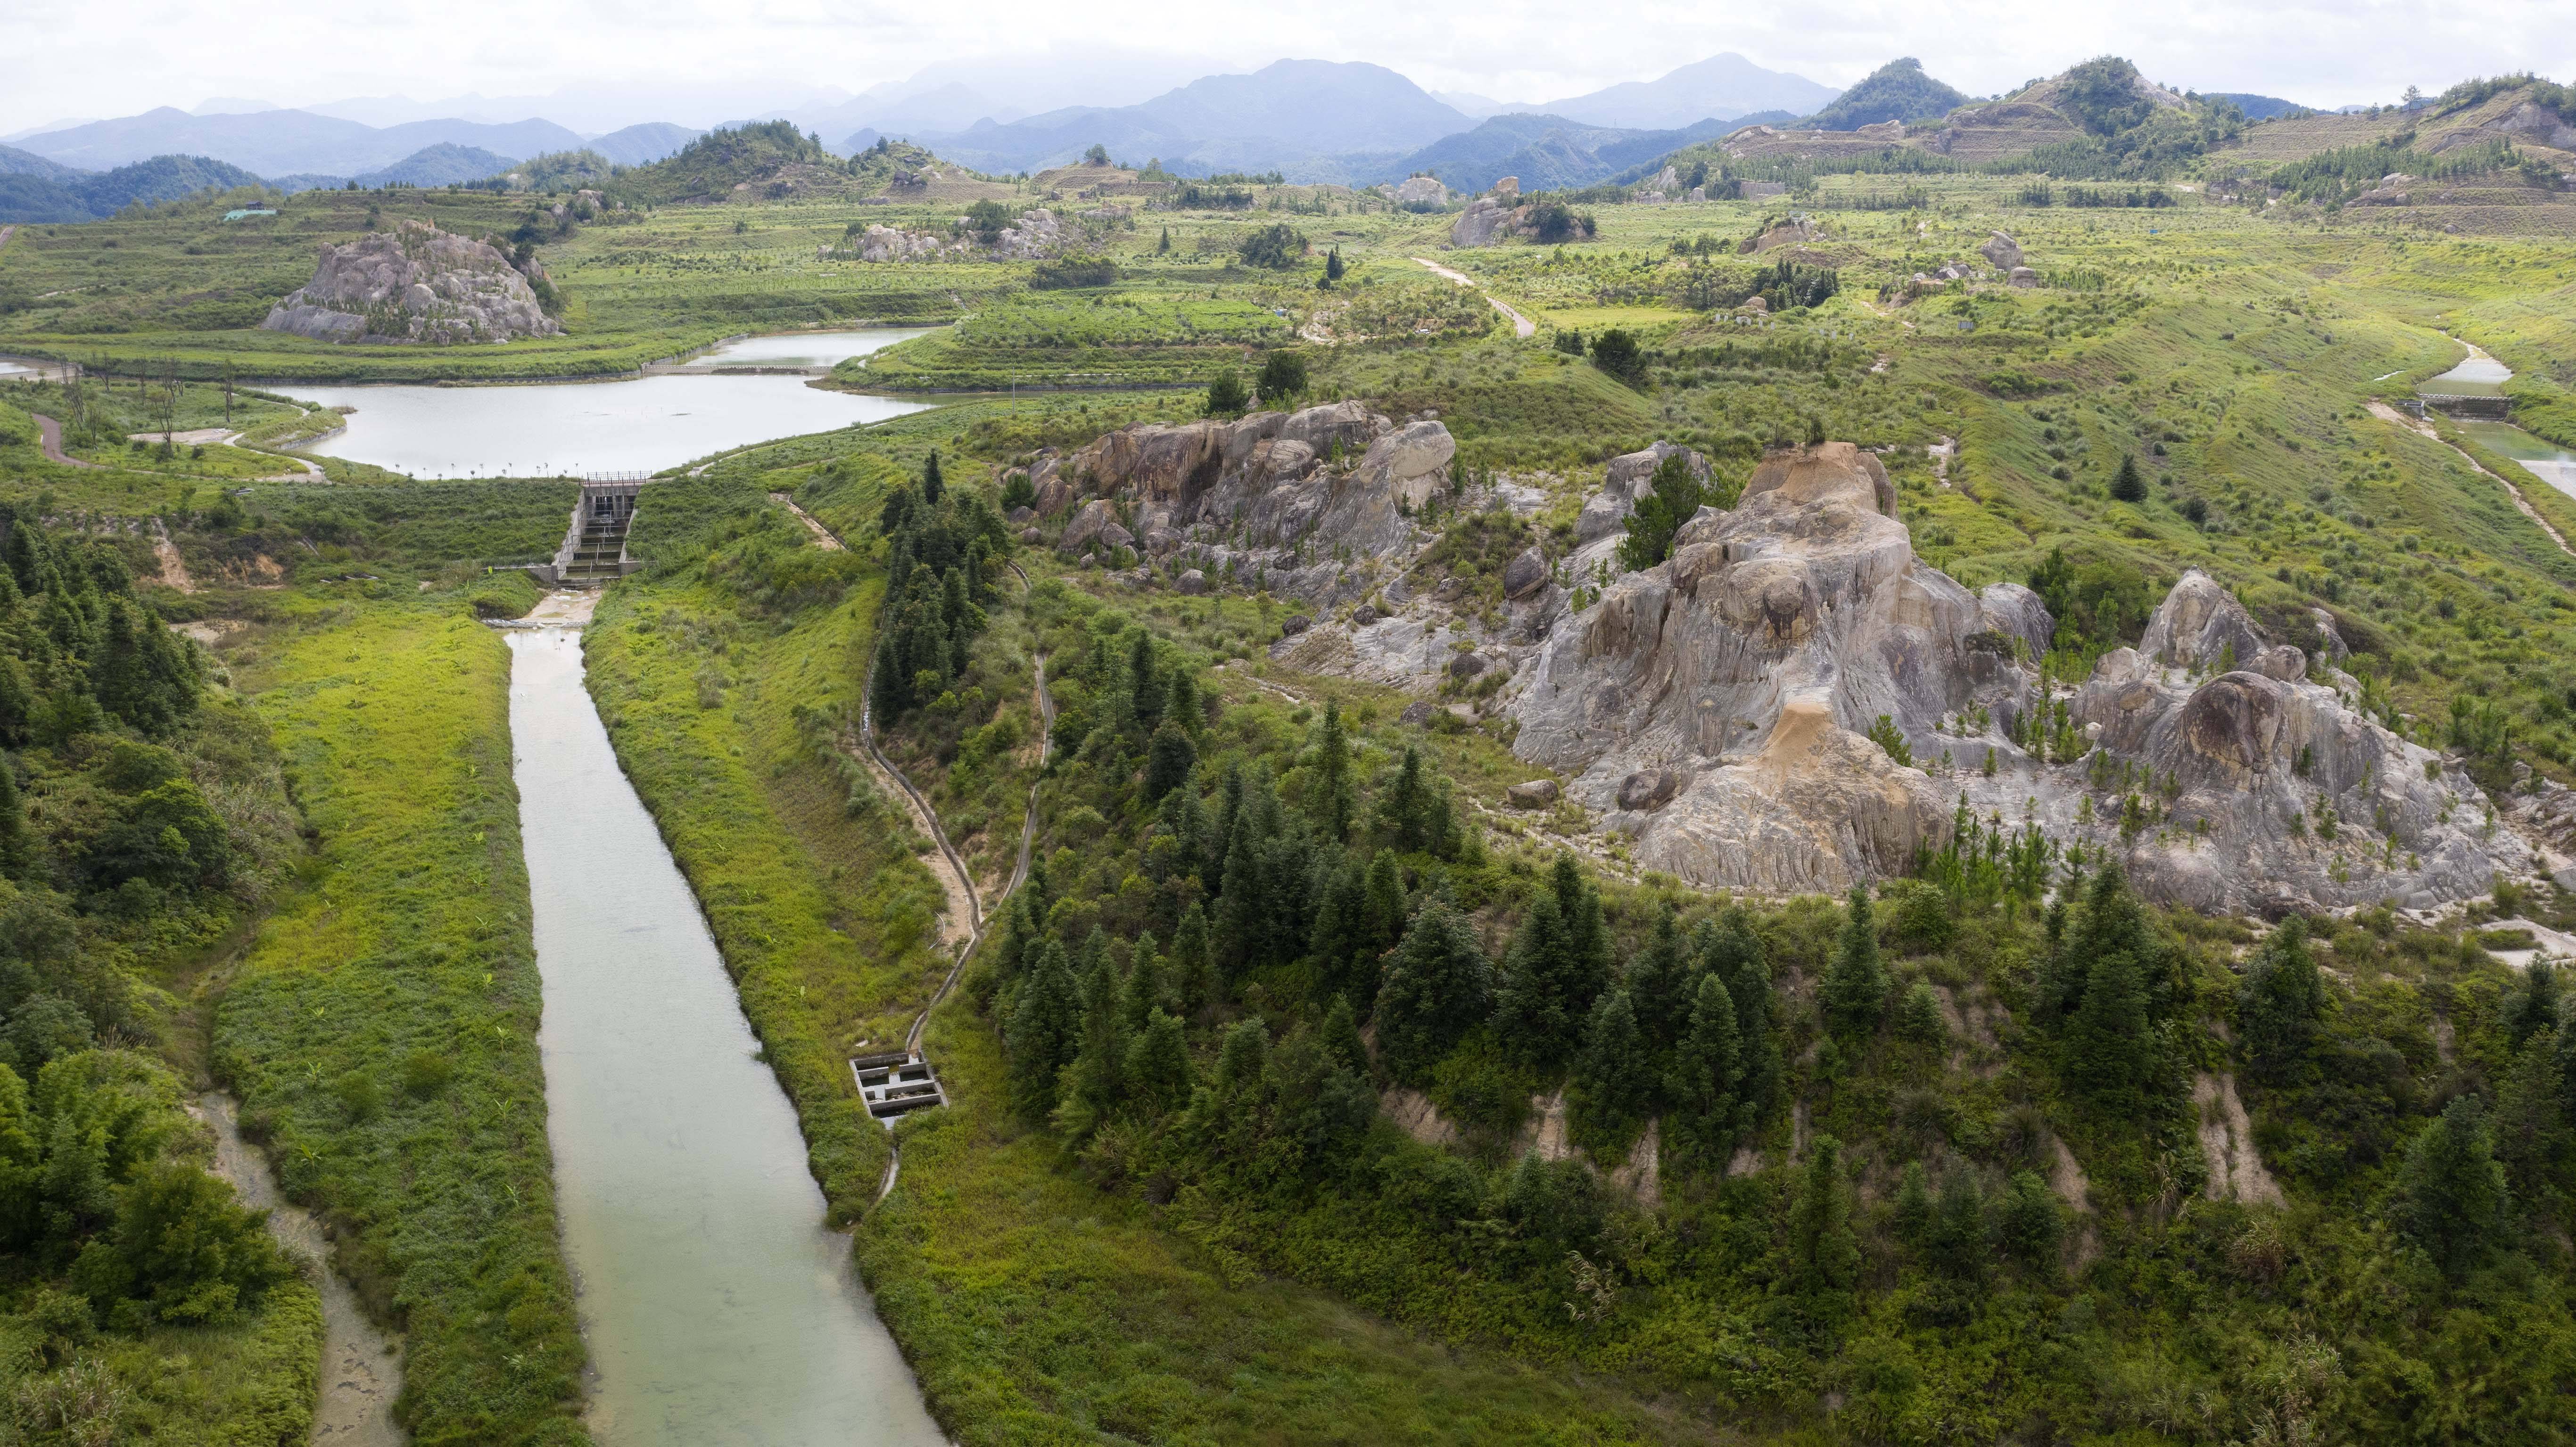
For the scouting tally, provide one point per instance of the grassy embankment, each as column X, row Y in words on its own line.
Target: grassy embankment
column 726, row 700
column 381, row 1029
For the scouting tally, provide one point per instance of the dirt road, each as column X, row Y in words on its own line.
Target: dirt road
column 1521, row 326
column 2386, row 413
column 50, row 433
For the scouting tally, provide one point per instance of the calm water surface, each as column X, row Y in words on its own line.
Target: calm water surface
column 805, row 349
column 568, row 429
column 2542, row 458
column 718, row 1310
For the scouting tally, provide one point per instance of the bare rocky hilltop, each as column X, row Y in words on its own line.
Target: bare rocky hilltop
column 1793, row 701
column 415, row 283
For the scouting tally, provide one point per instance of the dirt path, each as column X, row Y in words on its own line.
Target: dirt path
column 2387, row 413
column 50, row 433
column 824, row 537
column 957, row 867
column 1521, row 326
column 361, row 1370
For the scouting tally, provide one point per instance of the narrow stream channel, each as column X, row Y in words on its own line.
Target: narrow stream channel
column 717, row 1307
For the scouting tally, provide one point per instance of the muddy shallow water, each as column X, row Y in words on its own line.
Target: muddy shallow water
column 717, row 1307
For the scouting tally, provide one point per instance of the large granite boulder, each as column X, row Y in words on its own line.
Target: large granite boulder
column 1805, row 603
column 2001, row 252
column 415, row 283
column 2271, row 791
column 1487, row 220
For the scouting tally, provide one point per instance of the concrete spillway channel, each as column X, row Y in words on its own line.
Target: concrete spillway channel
column 717, row 1307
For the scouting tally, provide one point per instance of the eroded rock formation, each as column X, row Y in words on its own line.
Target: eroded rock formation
column 1311, row 504
column 415, row 283
column 1741, row 673
column 1716, row 707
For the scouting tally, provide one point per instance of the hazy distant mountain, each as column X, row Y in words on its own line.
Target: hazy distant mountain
column 1471, row 105
column 1896, row 91
column 2257, row 107
column 15, row 162
column 1547, row 153
column 644, row 144
column 277, row 143
column 444, row 164
column 1722, row 86
column 87, row 196
column 1295, row 116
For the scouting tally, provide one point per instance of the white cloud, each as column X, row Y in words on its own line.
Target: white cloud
column 696, row 61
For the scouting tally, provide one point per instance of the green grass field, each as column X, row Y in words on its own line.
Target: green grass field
column 381, row 1028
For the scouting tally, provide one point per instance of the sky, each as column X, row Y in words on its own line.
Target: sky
column 596, row 64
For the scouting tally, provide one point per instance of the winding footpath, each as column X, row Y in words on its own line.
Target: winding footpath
column 1521, row 326
column 966, row 921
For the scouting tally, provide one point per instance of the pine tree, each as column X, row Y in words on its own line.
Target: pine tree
column 1045, row 1032
column 1824, row 1251
column 2563, row 1059
column 1913, row 1215
column 1557, row 966
column 1918, row 1015
column 1168, row 761
column 1342, row 1036
column 17, row 850
column 1101, row 1068
column 1384, row 911
column 1438, row 985
column 1193, row 961
column 1164, row 246
column 1659, row 987
column 1337, row 938
column 1732, row 950
column 1855, row 989
column 1334, row 267
column 1704, row 1122
column 1145, row 990
column 931, row 483
column 2451, row 1201
column 1330, row 797
column 1158, row 1065
column 1957, row 1245
column 1614, row 1075
column 2108, row 1047
column 1412, row 814
column 1144, row 681
column 2127, row 485
column 1181, row 701
column 1242, row 1057
column 2281, row 1002
column 2032, row 1226
column 2534, row 1006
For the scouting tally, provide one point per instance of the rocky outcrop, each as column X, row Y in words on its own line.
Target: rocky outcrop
column 1487, row 221
column 1311, row 503
column 415, row 283
column 1418, row 191
column 2226, row 778
column 1714, row 707
column 2001, row 251
column 1035, row 236
column 1739, row 675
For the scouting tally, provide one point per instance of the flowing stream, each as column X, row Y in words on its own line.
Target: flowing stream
column 717, row 1307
